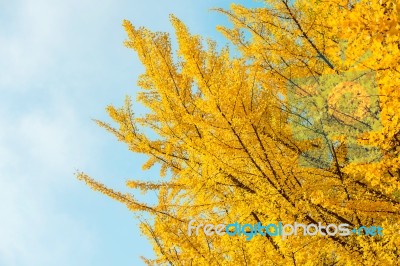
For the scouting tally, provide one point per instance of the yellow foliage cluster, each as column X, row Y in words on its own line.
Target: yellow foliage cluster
column 231, row 153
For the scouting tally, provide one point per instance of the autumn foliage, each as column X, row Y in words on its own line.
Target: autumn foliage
column 229, row 147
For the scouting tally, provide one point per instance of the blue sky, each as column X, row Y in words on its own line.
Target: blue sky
column 61, row 64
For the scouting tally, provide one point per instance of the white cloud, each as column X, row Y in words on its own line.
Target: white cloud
column 45, row 131
column 36, row 159
column 33, row 233
column 27, row 47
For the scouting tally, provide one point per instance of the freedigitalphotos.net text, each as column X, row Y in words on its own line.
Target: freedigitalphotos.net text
column 280, row 229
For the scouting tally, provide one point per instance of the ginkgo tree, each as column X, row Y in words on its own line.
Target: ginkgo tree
column 300, row 125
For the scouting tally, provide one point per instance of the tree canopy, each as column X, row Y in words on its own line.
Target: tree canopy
column 300, row 125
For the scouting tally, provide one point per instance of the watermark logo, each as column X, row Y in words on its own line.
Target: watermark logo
column 282, row 230
column 329, row 107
